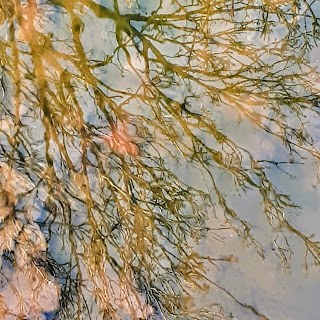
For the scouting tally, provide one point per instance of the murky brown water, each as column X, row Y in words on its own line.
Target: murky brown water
column 159, row 159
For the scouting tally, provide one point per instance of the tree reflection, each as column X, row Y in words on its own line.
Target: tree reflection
column 99, row 120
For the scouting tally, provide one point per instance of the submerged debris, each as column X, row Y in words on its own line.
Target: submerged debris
column 120, row 141
column 30, row 289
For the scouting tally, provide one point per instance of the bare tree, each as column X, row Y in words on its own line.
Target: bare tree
column 102, row 104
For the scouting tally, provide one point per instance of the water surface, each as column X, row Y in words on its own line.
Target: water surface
column 159, row 159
